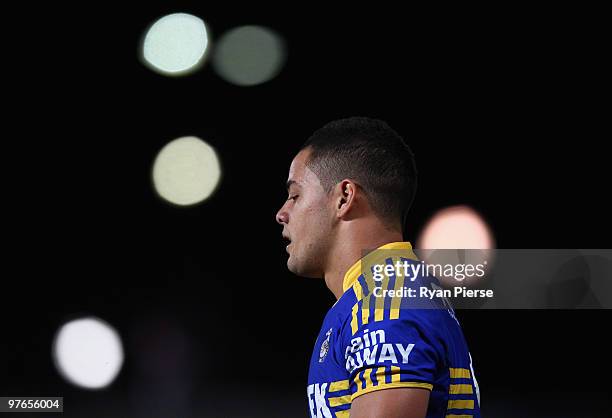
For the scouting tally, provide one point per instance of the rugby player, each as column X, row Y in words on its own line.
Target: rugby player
column 349, row 189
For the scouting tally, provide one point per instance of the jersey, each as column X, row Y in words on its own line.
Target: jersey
column 369, row 343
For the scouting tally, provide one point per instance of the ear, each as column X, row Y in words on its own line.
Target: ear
column 346, row 192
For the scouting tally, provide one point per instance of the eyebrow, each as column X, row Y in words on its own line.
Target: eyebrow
column 291, row 182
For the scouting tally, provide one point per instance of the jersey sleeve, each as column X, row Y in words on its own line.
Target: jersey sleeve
column 391, row 353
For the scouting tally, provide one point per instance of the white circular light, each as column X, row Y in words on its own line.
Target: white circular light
column 448, row 238
column 457, row 227
column 249, row 55
column 88, row 353
column 175, row 44
column 186, row 171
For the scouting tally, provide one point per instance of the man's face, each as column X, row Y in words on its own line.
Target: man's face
column 307, row 219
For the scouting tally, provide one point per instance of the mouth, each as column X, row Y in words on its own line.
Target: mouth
column 287, row 241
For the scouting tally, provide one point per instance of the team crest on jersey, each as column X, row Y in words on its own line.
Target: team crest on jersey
column 325, row 347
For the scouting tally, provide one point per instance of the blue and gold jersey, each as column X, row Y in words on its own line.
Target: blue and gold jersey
column 369, row 343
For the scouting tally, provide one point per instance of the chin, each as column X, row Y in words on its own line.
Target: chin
column 293, row 267
column 302, row 271
column 290, row 267
column 302, row 267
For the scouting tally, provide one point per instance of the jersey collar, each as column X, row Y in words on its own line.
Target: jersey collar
column 354, row 272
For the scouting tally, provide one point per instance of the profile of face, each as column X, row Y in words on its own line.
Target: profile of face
column 307, row 218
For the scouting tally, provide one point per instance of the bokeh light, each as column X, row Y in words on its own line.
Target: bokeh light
column 175, row 44
column 88, row 353
column 456, row 227
column 457, row 235
column 186, row 171
column 249, row 55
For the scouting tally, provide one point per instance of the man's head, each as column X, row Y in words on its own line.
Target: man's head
column 349, row 169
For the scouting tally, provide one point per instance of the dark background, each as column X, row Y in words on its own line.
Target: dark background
column 502, row 107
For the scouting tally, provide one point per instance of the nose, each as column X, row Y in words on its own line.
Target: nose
column 282, row 217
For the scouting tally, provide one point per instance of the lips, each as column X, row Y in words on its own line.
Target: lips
column 288, row 241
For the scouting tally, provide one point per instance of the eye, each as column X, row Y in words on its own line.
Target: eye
column 294, row 197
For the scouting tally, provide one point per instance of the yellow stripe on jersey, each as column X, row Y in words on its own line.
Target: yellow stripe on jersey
column 461, row 390
column 396, row 301
column 354, row 320
column 379, row 313
column 460, row 373
column 419, row 385
column 343, row 414
column 395, row 374
column 339, row 401
column 358, row 290
column 365, row 309
column 380, row 374
column 358, row 381
column 351, row 276
column 460, row 404
column 339, row 385
column 356, row 269
column 359, row 295
column 379, row 305
column 367, row 374
column 362, row 268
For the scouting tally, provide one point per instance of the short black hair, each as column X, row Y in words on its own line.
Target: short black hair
column 369, row 152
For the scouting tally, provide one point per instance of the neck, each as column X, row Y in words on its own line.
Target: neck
column 351, row 244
